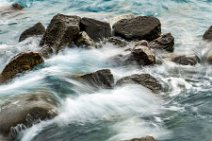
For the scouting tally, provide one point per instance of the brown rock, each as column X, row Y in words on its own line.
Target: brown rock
column 147, row 138
column 185, row 59
column 208, row 34
column 21, row 63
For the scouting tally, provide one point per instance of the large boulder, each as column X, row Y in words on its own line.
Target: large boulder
column 138, row 28
column 21, row 63
column 148, row 138
column 99, row 79
column 97, row 30
column 145, row 80
column 23, row 111
column 61, row 32
column 208, row 34
column 164, row 42
column 36, row 30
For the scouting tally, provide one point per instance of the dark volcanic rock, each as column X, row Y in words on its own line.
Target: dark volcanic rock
column 21, row 63
column 185, row 59
column 99, row 79
column 97, row 30
column 17, row 6
column 148, row 138
column 138, row 28
column 25, row 110
column 208, row 34
column 143, row 79
column 165, row 42
column 37, row 29
column 61, row 32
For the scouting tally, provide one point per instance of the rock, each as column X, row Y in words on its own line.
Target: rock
column 164, row 42
column 84, row 40
column 142, row 55
column 185, row 59
column 209, row 59
column 61, row 31
column 99, row 79
column 208, row 34
column 17, row 6
column 117, row 41
column 37, row 29
column 148, row 138
column 97, row 30
column 145, row 80
column 21, row 63
column 138, row 28
column 24, row 110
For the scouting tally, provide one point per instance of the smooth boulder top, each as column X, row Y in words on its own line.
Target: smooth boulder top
column 138, row 28
column 37, row 29
column 208, row 34
column 21, row 63
column 61, row 32
column 97, row 30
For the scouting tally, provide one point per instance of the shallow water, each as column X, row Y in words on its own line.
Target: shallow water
column 183, row 113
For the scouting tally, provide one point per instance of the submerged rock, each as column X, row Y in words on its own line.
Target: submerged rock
column 165, row 42
column 145, row 80
column 23, row 111
column 37, row 29
column 208, row 34
column 99, row 79
column 148, row 138
column 185, row 59
column 61, row 31
column 17, row 6
column 97, row 30
column 84, row 40
column 209, row 59
column 21, row 63
column 138, row 28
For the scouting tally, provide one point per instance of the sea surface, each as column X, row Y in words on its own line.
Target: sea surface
column 182, row 113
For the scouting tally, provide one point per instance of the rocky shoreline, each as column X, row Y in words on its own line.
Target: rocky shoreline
column 73, row 31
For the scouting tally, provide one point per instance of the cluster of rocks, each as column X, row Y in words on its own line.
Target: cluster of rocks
column 64, row 31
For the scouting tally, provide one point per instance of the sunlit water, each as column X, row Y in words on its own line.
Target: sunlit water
column 182, row 113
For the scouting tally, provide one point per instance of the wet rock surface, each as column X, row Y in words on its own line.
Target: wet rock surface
column 138, row 28
column 37, row 29
column 83, row 40
column 99, row 79
column 208, row 34
column 185, row 59
column 97, row 30
column 145, row 80
column 148, row 138
column 22, row 111
column 60, row 33
column 21, row 63
column 164, row 42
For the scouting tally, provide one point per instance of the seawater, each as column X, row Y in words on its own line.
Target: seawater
column 183, row 113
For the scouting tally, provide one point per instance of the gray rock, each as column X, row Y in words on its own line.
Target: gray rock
column 36, row 30
column 145, row 80
column 23, row 111
column 185, row 59
column 209, row 59
column 138, row 28
column 84, row 40
column 97, row 30
column 164, row 42
column 208, row 34
column 60, row 33
column 99, row 79
column 117, row 41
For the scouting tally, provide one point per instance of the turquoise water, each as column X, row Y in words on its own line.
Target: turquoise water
column 183, row 113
